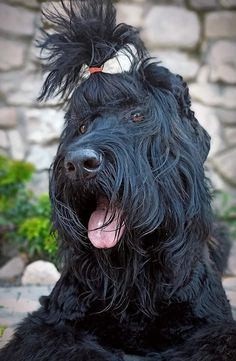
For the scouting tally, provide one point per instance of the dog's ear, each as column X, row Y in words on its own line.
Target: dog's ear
column 161, row 78
column 85, row 33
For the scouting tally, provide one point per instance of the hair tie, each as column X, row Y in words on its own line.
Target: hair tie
column 95, row 69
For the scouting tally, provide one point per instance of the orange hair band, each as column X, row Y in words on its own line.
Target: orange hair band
column 95, row 69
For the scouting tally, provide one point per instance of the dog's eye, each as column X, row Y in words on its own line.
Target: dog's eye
column 82, row 129
column 137, row 117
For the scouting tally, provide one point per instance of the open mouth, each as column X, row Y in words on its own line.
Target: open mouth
column 105, row 228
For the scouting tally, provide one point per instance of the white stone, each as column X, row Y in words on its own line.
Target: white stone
column 203, row 74
column 178, row 63
column 214, row 95
column 42, row 157
column 223, row 72
column 232, row 259
column 204, row 4
column 12, row 54
column 8, row 117
column 4, row 143
column 230, row 136
column 21, row 87
column 29, row 3
column 39, row 183
column 223, row 163
column 228, row 3
column 226, row 116
column 130, row 14
column 12, row 269
column 222, row 60
column 171, row 26
column 208, row 119
column 44, row 125
column 16, row 20
column 40, row 273
column 216, row 180
column 17, row 146
column 220, row 24
column 230, row 288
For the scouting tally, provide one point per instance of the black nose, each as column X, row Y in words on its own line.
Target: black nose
column 83, row 161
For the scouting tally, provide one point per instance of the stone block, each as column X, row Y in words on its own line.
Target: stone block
column 44, row 125
column 15, row 20
column 17, row 146
column 227, row 117
column 130, row 14
column 203, row 74
column 224, row 162
column 40, row 273
column 20, row 87
column 4, row 143
column 223, row 72
column 39, row 183
column 230, row 136
column 203, row 4
column 171, row 26
column 42, row 157
column 8, row 118
column 232, row 260
column 208, row 119
column 222, row 60
column 214, row 95
column 11, row 55
column 178, row 62
column 34, row 4
column 12, row 269
column 228, row 3
column 220, row 24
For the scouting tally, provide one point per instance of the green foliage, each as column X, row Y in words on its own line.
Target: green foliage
column 24, row 217
column 13, row 175
column 226, row 211
column 2, row 329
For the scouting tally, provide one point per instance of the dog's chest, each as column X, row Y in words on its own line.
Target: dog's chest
column 136, row 332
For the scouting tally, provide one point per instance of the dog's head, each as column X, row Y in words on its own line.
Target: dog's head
column 129, row 168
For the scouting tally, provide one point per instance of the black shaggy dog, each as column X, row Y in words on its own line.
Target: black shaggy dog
column 131, row 205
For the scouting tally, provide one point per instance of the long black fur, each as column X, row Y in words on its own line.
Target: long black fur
column 158, row 292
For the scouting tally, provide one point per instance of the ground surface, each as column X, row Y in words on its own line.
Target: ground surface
column 16, row 302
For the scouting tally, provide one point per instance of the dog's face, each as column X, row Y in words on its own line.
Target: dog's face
column 130, row 159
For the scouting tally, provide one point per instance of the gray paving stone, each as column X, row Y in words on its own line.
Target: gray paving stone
column 16, row 302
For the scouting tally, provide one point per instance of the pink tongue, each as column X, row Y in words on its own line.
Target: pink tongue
column 104, row 236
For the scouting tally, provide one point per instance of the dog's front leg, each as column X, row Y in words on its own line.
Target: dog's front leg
column 35, row 341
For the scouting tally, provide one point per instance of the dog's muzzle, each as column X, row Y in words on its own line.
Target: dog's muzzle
column 85, row 162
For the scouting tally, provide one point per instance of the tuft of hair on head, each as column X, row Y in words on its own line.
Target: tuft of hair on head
column 85, row 33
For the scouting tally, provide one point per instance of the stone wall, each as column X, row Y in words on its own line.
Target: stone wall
column 195, row 38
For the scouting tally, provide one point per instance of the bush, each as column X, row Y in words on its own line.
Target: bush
column 226, row 211
column 24, row 218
